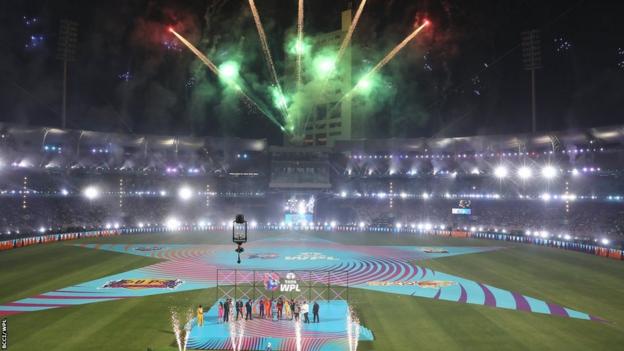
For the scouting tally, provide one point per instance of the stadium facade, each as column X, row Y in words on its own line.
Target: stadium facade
column 565, row 184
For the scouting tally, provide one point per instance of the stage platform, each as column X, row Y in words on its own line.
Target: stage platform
column 331, row 334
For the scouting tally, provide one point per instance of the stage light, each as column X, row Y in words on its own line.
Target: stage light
column 605, row 241
column 546, row 196
column 185, row 193
column 332, row 224
column 141, row 225
column 64, row 192
column 42, row 230
column 425, row 196
column 398, row 225
column 475, row 171
column 549, row 172
column 567, row 237
column 500, row 172
column 108, row 226
column 91, row 192
column 254, row 224
column 343, row 194
column 525, row 172
column 362, row 225
column 116, row 225
column 428, row 226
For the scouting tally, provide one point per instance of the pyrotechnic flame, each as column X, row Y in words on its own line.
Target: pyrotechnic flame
column 216, row 71
column 299, row 40
column 347, row 38
column 265, row 48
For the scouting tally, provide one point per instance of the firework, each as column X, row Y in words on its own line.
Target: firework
column 347, row 38
column 265, row 48
column 299, row 43
column 398, row 48
column 228, row 72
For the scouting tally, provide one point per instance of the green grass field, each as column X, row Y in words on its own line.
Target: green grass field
column 587, row 283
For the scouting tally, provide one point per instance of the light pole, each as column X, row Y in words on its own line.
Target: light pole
column 66, row 52
column 532, row 60
column 239, row 234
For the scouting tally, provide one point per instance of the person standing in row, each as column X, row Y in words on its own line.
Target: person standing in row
column 248, row 315
column 200, row 316
column 297, row 310
column 220, row 316
column 287, row 309
column 226, row 311
column 315, row 313
column 280, row 306
column 305, row 309
column 239, row 309
column 261, row 303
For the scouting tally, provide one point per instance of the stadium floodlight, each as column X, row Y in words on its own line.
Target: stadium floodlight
column 185, row 193
column 428, row 226
column 604, row 241
column 500, row 172
column 362, row 225
column 546, row 196
column 332, row 224
column 141, row 225
column 91, row 192
column 567, row 237
column 475, row 171
column 525, row 172
column 163, row 193
column 255, row 224
column 398, row 225
column 343, row 194
column 172, row 223
column 64, row 192
column 42, row 230
column 575, row 172
column 549, row 172
column 425, row 195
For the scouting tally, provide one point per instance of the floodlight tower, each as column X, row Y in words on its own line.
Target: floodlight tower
column 532, row 60
column 66, row 52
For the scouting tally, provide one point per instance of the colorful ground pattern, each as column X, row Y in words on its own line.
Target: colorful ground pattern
column 380, row 268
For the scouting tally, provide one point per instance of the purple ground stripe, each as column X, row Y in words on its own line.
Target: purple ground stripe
column 597, row 319
column 77, row 297
column 521, row 303
column 23, row 304
column 557, row 310
column 8, row 313
column 437, row 295
column 463, row 297
column 490, row 300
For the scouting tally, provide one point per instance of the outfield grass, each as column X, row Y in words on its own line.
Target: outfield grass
column 584, row 282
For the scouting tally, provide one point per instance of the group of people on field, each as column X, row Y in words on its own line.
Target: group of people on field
column 264, row 308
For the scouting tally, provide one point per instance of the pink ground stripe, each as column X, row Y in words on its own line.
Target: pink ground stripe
column 60, row 297
column 23, row 304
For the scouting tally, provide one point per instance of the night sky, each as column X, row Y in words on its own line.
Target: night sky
column 463, row 76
